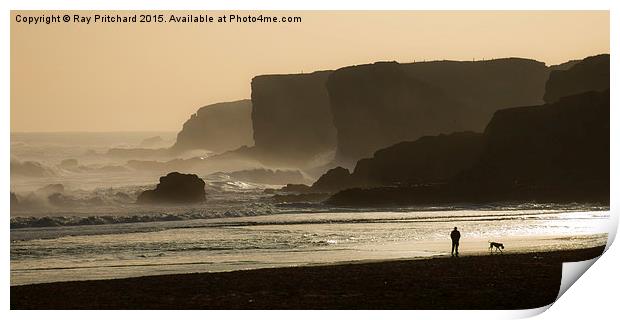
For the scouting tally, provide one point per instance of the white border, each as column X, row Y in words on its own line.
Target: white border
column 594, row 294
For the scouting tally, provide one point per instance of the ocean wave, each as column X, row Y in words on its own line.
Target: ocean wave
column 229, row 205
column 62, row 221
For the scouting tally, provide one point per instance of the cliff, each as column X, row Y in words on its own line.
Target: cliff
column 218, row 127
column 430, row 159
column 555, row 152
column 565, row 143
column 333, row 180
column 291, row 118
column 380, row 104
column 589, row 74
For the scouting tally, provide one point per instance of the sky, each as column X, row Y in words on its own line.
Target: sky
column 153, row 76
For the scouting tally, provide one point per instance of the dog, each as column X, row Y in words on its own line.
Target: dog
column 496, row 245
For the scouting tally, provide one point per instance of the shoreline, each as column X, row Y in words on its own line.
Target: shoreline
column 367, row 253
column 493, row 281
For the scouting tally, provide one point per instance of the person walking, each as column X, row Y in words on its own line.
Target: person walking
column 455, row 235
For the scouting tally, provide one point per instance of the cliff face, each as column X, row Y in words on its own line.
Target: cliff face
column 565, row 143
column 555, row 152
column 218, row 127
column 589, row 74
column 291, row 117
column 430, row 159
column 335, row 179
column 378, row 105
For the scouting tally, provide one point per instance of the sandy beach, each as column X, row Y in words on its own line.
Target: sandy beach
column 489, row 281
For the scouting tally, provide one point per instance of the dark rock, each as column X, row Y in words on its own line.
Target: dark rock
column 175, row 188
column 589, row 74
column 291, row 118
column 378, row 105
column 334, row 180
column 218, row 127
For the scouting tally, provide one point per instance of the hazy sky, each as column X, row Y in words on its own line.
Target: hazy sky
column 152, row 76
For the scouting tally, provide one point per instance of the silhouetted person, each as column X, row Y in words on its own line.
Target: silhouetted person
column 456, row 236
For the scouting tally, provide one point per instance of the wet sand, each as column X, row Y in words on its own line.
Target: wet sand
column 489, row 281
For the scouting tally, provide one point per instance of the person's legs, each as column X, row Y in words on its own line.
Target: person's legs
column 456, row 248
column 453, row 245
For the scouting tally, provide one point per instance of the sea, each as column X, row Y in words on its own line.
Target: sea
column 97, row 231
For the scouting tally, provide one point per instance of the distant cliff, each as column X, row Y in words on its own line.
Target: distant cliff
column 291, row 117
column 589, row 74
column 218, row 127
column 377, row 105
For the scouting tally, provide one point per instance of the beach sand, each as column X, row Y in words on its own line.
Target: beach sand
column 472, row 281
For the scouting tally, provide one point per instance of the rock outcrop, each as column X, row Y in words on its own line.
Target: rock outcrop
column 589, row 74
column 333, row 180
column 218, row 127
column 291, row 117
column 175, row 188
column 380, row 104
